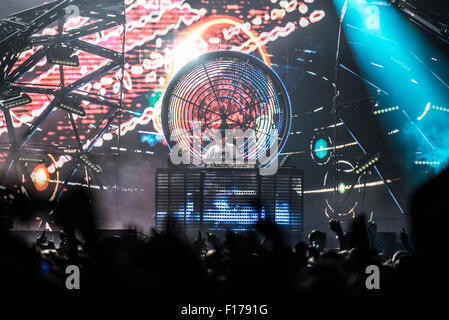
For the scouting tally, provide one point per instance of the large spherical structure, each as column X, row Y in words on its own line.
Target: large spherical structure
column 227, row 90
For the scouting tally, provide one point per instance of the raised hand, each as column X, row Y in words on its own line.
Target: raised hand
column 404, row 239
column 335, row 226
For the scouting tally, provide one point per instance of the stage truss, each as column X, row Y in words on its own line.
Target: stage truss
column 31, row 163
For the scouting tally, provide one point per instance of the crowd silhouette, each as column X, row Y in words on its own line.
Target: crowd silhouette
column 257, row 264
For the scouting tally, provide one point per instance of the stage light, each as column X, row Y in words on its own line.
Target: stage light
column 427, row 163
column 72, row 106
column 96, row 168
column 341, row 188
column 63, row 56
column 70, row 150
column 321, row 148
column 12, row 99
column 367, row 164
column 385, row 110
column 440, row 108
column 32, row 159
column 393, row 132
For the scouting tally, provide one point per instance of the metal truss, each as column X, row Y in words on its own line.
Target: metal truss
column 433, row 21
column 20, row 32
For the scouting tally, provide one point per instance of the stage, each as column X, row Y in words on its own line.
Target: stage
column 260, row 133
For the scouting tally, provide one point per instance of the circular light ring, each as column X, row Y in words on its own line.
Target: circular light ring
column 236, row 86
column 321, row 148
column 223, row 86
column 346, row 172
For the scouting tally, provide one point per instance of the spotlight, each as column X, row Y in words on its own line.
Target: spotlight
column 72, row 105
column 11, row 99
column 63, row 56
column 96, row 168
column 70, row 151
column 364, row 166
column 341, row 188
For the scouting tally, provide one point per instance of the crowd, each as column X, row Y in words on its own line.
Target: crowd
column 257, row 264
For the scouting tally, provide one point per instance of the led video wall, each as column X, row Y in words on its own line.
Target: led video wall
column 161, row 36
column 221, row 199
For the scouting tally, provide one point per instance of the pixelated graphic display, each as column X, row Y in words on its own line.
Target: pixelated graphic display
column 161, row 37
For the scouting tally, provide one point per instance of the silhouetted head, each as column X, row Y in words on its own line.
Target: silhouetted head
column 317, row 239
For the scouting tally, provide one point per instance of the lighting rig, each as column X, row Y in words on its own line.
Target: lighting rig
column 432, row 21
column 369, row 163
column 22, row 31
column 10, row 99
column 339, row 187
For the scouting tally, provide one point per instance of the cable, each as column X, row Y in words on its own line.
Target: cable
column 117, row 163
